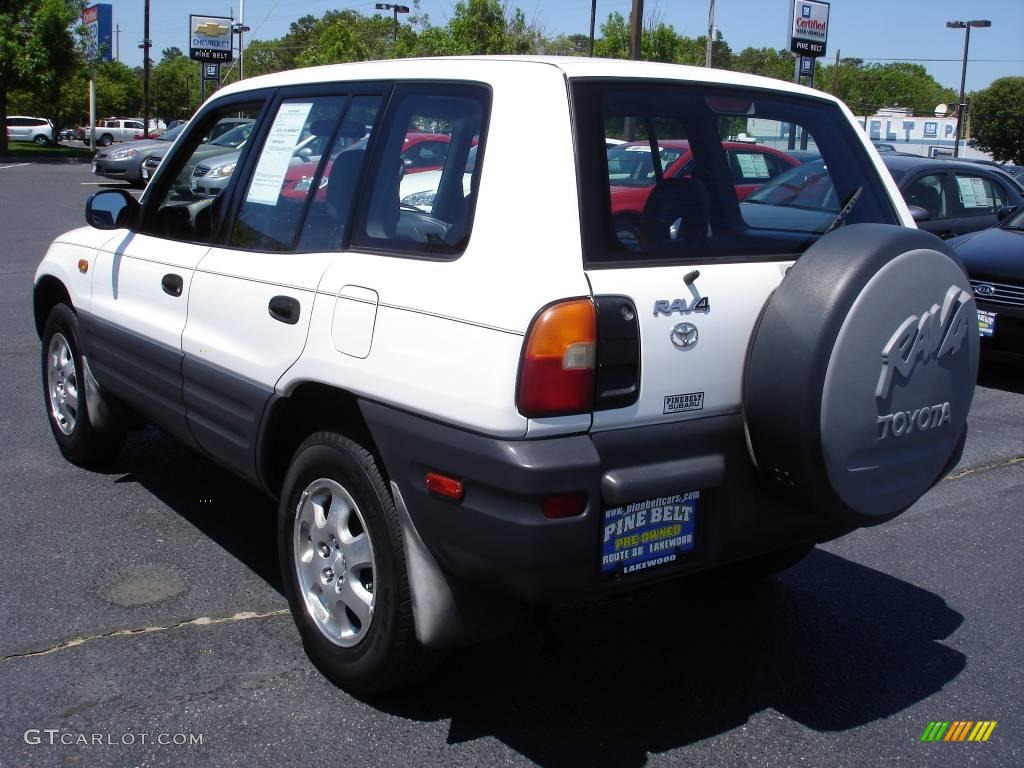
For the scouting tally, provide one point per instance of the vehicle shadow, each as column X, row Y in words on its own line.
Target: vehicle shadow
column 182, row 479
column 831, row 644
column 1000, row 375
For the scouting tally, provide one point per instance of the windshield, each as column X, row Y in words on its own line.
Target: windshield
column 172, row 134
column 235, row 137
column 1016, row 221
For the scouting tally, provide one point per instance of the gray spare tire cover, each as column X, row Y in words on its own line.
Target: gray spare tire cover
column 861, row 372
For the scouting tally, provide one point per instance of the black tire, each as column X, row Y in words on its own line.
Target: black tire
column 388, row 656
column 83, row 444
column 105, row 140
column 41, row 140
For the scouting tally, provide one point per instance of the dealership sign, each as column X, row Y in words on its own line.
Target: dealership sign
column 210, row 38
column 98, row 23
column 810, row 28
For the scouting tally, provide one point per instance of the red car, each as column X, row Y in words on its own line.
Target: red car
column 632, row 177
column 421, row 152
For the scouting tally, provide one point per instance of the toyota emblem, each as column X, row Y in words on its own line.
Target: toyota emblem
column 684, row 335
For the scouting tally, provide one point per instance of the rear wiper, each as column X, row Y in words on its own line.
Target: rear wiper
column 851, row 201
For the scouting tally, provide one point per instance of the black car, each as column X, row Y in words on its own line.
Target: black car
column 950, row 197
column 995, row 263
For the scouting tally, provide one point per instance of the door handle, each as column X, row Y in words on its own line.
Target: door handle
column 285, row 309
column 172, row 284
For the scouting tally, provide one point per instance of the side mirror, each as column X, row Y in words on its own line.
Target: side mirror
column 112, row 209
column 305, row 152
column 1005, row 212
column 918, row 213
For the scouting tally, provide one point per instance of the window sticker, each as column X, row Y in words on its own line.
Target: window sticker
column 974, row 193
column 277, row 153
column 752, row 166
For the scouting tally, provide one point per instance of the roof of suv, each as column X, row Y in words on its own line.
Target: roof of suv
column 484, row 67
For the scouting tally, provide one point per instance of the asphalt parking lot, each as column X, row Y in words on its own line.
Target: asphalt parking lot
column 143, row 605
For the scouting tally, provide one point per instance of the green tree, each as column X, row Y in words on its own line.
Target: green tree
column 174, row 87
column 868, row 88
column 997, row 119
column 768, row 62
column 37, row 52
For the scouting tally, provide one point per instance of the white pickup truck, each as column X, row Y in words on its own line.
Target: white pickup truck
column 111, row 130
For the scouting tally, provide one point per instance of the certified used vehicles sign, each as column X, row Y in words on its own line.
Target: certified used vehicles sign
column 648, row 533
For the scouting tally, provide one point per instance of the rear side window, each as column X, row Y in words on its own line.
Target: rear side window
column 427, row 212
column 706, row 172
column 978, row 195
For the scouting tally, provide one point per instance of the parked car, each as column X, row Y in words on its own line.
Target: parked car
column 125, row 163
column 994, row 259
column 38, row 130
column 951, row 197
column 1012, row 172
column 226, row 125
column 500, row 404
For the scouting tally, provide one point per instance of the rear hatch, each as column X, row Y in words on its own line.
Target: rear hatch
column 699, row 261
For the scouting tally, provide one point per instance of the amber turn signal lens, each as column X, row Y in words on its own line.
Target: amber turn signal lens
column 83, row 266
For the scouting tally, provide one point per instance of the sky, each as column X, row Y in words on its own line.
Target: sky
column 873, row 30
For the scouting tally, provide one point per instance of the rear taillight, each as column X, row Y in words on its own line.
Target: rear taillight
column 556, row 376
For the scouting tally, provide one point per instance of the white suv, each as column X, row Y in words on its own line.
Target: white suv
column 564, row 376
column 38, row 130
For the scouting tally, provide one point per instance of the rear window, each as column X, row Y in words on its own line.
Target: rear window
column 706, row 173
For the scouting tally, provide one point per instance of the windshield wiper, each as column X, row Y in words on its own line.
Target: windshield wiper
column 851, row 201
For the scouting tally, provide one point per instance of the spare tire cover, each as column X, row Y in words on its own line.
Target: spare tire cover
column 861, row 372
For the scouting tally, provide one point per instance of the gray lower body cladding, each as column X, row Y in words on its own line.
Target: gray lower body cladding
column 497, row 538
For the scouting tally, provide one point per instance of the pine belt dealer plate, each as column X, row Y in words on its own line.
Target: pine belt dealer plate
column 648, row 533
column 986, row 323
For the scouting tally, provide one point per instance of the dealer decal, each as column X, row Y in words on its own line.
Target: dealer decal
column 691, row 401
column 648, row 533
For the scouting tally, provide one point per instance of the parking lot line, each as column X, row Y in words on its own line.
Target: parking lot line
column 18, row 165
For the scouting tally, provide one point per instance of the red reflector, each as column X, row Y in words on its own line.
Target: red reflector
column 565, row 505
column 445, row 486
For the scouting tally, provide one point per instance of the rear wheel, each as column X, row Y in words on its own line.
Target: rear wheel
column 343, row 566
column 64, row 394
column 41, row 140
column 106, row 140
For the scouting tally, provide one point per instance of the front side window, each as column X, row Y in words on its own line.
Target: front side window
column 428, row 212
column 187, row 202
column 929, row 192
column 707, row 172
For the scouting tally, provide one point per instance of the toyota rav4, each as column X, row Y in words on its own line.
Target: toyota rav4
column 512, row 396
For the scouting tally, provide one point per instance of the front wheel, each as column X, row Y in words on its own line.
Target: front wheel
column 64, row 394
column 343, row 567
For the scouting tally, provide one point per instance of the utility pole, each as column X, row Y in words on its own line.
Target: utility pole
column 117, row 42
column 711, row 33
column 397, row 9
column 835, row 74
column 241, row 29
column 966, row 26
column 593, row 18
column 636, row 29
column 145, row 46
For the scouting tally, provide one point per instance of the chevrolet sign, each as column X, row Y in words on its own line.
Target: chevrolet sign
column 210, row 38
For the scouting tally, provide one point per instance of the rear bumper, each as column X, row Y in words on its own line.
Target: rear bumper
column 498, row 540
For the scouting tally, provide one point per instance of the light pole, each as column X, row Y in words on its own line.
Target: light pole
column 711, row 33
column 397, row 9
column 966, row 26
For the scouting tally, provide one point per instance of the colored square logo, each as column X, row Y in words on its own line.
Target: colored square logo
column 805, row 11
